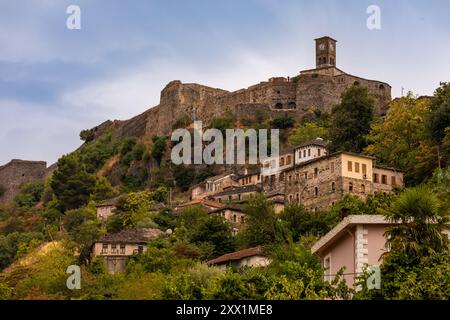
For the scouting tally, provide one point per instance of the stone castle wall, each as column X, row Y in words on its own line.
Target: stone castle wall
column 18, row 172
column 319, row 89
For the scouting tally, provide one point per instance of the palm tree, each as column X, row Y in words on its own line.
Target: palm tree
column 419, row 220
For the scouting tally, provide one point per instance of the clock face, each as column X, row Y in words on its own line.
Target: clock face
column 322, row 46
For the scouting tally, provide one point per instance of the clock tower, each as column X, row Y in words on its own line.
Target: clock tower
column 325, row 52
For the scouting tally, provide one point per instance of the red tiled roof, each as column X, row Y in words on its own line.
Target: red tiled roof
column 250, row 252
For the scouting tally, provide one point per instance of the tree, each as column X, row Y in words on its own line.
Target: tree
column 71, row 183
column 158, row 148
column 217, row 231
column 30, row 194
column 351, row 120
column 419, row 223
column 284, row 121
column 261, row 226
column 102, row 190
column 87, row 135
column 306, row 132
column 398, row 139
column 439, row 119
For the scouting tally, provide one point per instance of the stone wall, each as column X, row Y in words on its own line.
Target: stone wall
column 18, row 172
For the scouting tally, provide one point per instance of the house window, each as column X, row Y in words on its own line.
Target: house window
column 306, row 175
column 375, row 177
column 281, row 161
column 288, row 160
column 290, row 198
column 309, row 152
column 290, row 179
column 297, row 198
column 316, row 172
column 349, row 166
column 332, row 167
column 122, row 249
column 357, row 167
column 350, row 187
column 316, row 191
column 363, row 188
column 113, row 248
column 234, row 218
column 318, row 152
column 239, row 196
column 105, row 248
column 304, row 153
column 140, row 249
column 333, row 187
column 364, row 168
column 229, row 198
column 384, row 179
column 242, row 219
column 300, row 154
column 393, row 182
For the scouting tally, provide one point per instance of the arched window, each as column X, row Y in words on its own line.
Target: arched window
column 350, row 187
column 292, row 105
column 290, row 198
column 279, row 105
column 356, row 83
column 381, row 87
column 333, row 187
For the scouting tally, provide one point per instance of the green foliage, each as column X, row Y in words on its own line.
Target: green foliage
column 30, row 194
column 184, row 176
column 102, row 190
column 138, row 152
column 223, row 123
column 10, row 244
column 71, row 183
column 95, row 155
column 181, row 122
column 217, row 232
column 87, row 135
column 284, row 121
column 302, row 223
column 351, row 120
column 421, row 221
column 127, row 145
column 306, row 132
column 158, row 148
column 439, row 118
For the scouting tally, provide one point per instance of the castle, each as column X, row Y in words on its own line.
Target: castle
column 314, row 89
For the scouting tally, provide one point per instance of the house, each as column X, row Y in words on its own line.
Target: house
column 213, row 185
column 106, row 209
column 357, row 241
column 252, row 257
column 320, row 182
column 233, row 214
column 250, row 177
column 310, row 150
column 209, row 205
column 236, row 194
column 116, row 247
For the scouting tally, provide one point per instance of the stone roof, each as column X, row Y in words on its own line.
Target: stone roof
column 316, row 142
column 205, row 202
column 346, row 222
column 136, row 235
column 238, row 255
column 235, row 190
column 228, row 207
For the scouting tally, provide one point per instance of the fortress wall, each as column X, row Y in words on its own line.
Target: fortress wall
column 16, row 173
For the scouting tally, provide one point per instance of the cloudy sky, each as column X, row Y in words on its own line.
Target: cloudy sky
column 54, row 82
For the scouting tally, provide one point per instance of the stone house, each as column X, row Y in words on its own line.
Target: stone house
column 237, row 194
column 233, row 214
column 214, row 185
column 310, row 150
column 320, row 182
column 250, row 177
column 252, row 257
column 106, row 209
column 116, row 247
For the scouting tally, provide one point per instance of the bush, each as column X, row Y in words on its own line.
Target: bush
column 30, row 194
column 284, row 121
column 158, row 148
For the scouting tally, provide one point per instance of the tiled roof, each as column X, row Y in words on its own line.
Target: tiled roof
column 136, row 235
column 238, row 255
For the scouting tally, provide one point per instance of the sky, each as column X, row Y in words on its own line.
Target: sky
column 55, row 82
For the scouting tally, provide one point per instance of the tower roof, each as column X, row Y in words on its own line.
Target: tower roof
column 326, row 37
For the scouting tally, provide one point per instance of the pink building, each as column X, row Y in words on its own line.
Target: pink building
column 357, row 241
